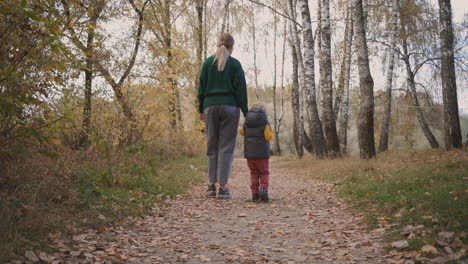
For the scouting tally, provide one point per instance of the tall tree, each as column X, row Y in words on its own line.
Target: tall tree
column 383, row 145
column 253, row 29
column 343, row 126
column 94, row 12
column 295, row 102
column 329, row 125
column 199, row 5
column 453, row 137
column 300, row 77
column 116, row 85
column 341, row 78
column 366, row 88
column 225, row 24
column 412, row 86
column 316, row 133
column 277, row 149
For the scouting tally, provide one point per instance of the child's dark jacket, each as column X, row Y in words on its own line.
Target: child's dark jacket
column 257, row 133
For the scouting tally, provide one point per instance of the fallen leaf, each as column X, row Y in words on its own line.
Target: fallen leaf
column 429, row 250
column 31, row 256
column 400, row 244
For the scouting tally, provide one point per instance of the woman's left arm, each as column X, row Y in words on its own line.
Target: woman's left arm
column 240, row 89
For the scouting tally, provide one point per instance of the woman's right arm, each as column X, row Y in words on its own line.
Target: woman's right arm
column 240, row 87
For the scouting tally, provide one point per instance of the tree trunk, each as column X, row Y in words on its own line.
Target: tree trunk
column 199, row 7
column 295, row 102
column 341, row 78
column 116, row 86
column 412, row 87
column 277, row 149
column 383, row 145
column 343, row 127
column 366, row 88
column 318, row 92
column 88, row 71
column 174, row 103
column 300, row 78
column 199, row 32
column 205, row 35
column 283, row 54
column 328, row 120
column 316, row 134
column 225, row 25
column 254, row 42
column 452, row 131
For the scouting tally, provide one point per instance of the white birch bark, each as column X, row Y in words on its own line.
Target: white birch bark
column 453, row 137
column 328, row 120
column 343, row 127
column 316, row 134
column 383, row 143
column 297, row 47
column 366, row 87
column 225, row 24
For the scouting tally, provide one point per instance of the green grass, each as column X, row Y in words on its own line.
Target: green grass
column 405, row 187
column 432, row 195
column 63, row 192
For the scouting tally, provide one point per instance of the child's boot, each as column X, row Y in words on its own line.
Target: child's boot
column 264, row 194
column 255, row 197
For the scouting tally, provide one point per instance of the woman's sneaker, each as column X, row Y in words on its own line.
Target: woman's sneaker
column 264, row 194
column 211, row 192
column 223, row 193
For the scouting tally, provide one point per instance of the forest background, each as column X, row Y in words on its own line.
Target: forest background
column 98, row 98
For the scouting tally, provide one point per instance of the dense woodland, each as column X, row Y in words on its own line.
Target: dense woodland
column 98, row 108
column 82, row 73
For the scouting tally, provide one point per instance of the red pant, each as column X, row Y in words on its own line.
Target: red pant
column 259, row 174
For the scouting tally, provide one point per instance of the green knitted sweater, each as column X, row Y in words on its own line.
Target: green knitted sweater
column 222, row 88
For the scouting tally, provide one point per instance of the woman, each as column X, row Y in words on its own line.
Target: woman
column 222, row 91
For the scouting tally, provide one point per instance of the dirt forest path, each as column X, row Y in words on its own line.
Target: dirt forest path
column 303, row 223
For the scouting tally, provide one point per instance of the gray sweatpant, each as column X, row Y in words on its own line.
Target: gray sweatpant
column 221, row 123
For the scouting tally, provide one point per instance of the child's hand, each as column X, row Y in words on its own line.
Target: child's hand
column 202, row 117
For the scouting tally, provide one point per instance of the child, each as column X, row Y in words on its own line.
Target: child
column 257, row 133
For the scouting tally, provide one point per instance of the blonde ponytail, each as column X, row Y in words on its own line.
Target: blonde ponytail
column 222, row 54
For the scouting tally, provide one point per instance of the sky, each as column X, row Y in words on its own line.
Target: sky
column 243, row 50
column 244, row 53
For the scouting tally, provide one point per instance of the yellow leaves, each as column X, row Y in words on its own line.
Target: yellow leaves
column 251, row 206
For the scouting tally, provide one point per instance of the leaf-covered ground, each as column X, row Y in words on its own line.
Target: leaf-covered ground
column 303, row 223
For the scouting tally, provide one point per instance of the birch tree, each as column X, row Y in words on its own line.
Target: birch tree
column 253, row 29
column 277, row 149
column 329, row 125
column 225, row 24
column 300, row 76
column 316, row 134
column 295, row 102
column 343, row 126
column 383, row 145
column 410, row 76
column 366, row 88
column 452, row 136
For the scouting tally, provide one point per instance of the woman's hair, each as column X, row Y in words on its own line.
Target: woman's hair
column 225, row 41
